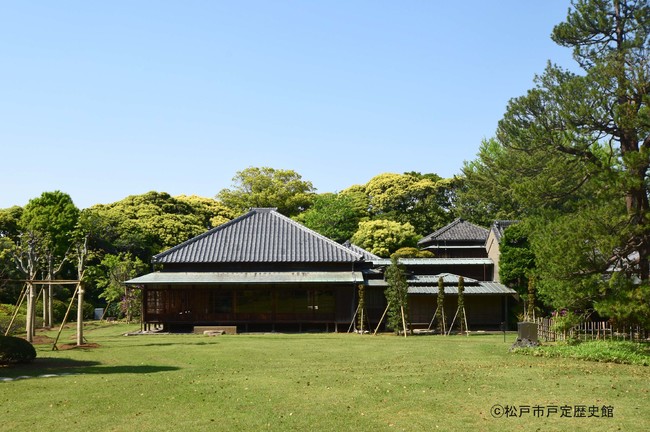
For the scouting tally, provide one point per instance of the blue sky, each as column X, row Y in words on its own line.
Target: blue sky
column 102, row 100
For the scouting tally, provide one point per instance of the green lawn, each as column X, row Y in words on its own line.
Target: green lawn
column 308, row 382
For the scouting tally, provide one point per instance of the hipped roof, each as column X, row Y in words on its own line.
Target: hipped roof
column 458, row 231
column 262, row 235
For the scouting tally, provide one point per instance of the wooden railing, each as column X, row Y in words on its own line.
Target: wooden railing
column 590, row 330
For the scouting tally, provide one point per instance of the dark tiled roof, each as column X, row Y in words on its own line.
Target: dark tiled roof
column 261, row 235
column 447, row 279
column 361, row 251
column 499, row 226
column 482, row 288
column 458, row 230
column 435, row 261
column 255, row 277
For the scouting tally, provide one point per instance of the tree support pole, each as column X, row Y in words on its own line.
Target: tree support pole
column 433, row 318
column 65, row 318
column 353, row 319
column 21, row 298
column 452, row 322
column 381, row 319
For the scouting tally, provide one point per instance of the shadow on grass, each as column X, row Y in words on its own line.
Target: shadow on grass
column 178, row 344
column 59, row 366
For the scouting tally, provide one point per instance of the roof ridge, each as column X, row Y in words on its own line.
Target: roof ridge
column 312, row 232
column 442, row 230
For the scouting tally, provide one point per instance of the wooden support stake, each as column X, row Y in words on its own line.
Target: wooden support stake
column 21, row 298
column 433, row 319
column 381, row 319
column 65, row 318
column 452, row 323
column 353, row 318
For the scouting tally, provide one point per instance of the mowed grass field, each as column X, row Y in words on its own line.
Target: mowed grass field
column 311, row 382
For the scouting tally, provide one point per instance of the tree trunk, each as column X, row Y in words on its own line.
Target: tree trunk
column 31, row 312
column 80, row 315
column 50, row 291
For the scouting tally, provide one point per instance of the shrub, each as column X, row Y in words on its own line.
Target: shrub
column 16, row 350
column 564, row 321
column 59, row 308
column 624, row 352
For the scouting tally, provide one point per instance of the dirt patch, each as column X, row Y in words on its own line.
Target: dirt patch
column 42, row 340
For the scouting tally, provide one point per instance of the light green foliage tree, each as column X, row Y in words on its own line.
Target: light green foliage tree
column 412, row 252
column 396, row 296
column 335, row 216
column 152, row 222
column 383, row 237
column 422, row 200
column 356, row 194
column 268, row 187
column 210, row 212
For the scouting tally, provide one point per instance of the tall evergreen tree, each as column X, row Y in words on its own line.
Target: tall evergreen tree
column 442, row 325
column 396, row 296
column 575, row 153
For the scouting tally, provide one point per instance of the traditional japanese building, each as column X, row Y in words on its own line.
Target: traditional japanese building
column 493, row 243
column 459, row 239
column 265, row 272
column 260, row 271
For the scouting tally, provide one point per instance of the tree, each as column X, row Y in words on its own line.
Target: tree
column 53, row 217
column 147, row 224
column 576, row 149
column 396, row 297
column 610, row 42
column 573, row 252
column 461, row 314
column 517, row 260
column 116, row 270
column 9, row 233
column 383, row 237
column 511, row 180
column 28, row 256
column 442, row 318
column 335, row 216
column 209, row 212
column 268, row 187
column 10, row 221
column 412, row 252
column 422, row 200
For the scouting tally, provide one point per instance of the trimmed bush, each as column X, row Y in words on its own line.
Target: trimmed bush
column 16, row 350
